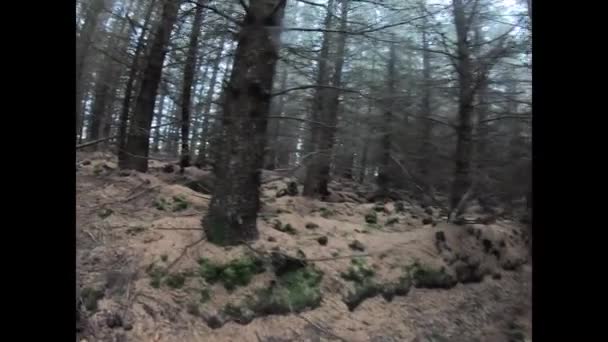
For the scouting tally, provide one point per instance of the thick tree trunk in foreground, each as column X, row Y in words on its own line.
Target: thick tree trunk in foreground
column 187, row 85
column 235, row 203
column 138, row 141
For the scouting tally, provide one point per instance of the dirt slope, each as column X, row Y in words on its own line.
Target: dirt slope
column 125, row 223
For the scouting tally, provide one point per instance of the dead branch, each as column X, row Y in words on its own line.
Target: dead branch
column 184, row 252
column 327, row 332
column 94, row 142
column 411, row 177
column 145, row 191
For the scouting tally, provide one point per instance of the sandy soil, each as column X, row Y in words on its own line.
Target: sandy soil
column 121, row 231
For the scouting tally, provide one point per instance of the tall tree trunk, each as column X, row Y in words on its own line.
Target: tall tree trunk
column 105, row 89
column 159, row 120
column 426, row 147
column 83, row 48
column 464, row 144
column 214, row 136
column 198, row 111
column 384, row 174
column 126, row 102
column 313, row 185
column 318, row 106
column 275, row 126
column 138, row 141
column 232, row 213
column 187, row 85
column 201, row 159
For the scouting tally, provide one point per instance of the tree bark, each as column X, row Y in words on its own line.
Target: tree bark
column 319, row 99
column 159, row 119
column 232, row 213
column 201, row 159
column 316, row 182
column 464, row 144
column 273, row 143
column 187, row 85
column 426, row 147
column 138, row 141
column 84, row 42
column 384, row 174
column 126, row 102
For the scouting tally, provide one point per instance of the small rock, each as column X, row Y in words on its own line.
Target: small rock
column 440, row 236
column 292, row 188
column 214, row 321
column 114, row 320
column 311, row 225
column 86, row 162
column 281, row 193
column 357, row 245
column 271, row 239
column 391, row 221
column 399, row 206
column 379, row 207
column 128, row 326
column 487, row 245
column 322, row 240
column 427, row 220
column 124, row 173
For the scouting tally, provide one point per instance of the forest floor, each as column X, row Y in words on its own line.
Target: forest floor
column 131, row 225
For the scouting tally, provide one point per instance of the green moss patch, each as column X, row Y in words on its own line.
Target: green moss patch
column 90, row 297
column 326, row 213
column 427, row 277
column 237, row 272
column 295, row 291
column 358, row 272
column 371, row 217
column 288, row 228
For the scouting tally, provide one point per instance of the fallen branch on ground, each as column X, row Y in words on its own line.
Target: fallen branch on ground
column 184, row 252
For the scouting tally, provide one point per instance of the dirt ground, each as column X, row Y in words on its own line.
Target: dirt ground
column 127, row 222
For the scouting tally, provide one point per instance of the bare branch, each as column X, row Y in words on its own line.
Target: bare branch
column 313, row 86
column 311, row 3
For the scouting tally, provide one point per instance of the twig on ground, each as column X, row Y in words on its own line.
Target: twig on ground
column 129, row 199
column 184, row 252
column 317, row 326
column 202, row 196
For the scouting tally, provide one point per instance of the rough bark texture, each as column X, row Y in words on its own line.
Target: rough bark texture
column 384, row 175
column 83, row 48
column 316, row 181
column 138, row 141
column 187, row 85
column 464, row 144
column 274, row 148
column 159, row 116
column 426, row 147
column 126, row 102
column 201, row 159
column 235, row 203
